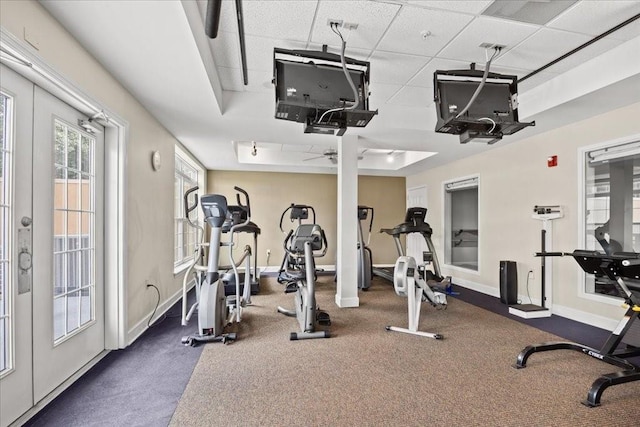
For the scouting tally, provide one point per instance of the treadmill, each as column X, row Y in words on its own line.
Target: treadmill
column 413, row 223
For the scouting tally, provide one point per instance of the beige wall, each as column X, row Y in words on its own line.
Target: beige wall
column 271, row 193
column 514, row 178
column 149, row 194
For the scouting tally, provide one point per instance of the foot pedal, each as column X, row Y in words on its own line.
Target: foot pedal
column 322, row 317
column 291, row 288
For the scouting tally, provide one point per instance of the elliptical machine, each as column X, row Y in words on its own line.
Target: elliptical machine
column 365, row 259
column 302, row 247
column 298, row 213
column 215, row 310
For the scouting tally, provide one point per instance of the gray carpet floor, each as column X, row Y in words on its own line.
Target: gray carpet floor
column 366, row 376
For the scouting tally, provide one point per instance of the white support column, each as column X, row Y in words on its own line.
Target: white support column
column 347, row 258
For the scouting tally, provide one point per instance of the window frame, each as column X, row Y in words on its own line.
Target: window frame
column 446, row 223
column 183, row 157
column 7, row 300
column 583, row 152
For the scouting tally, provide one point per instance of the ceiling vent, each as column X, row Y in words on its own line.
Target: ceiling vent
column 533, row 12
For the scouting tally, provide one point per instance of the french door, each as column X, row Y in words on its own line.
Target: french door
column 51, row 290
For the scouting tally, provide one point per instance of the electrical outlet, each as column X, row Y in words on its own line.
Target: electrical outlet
column 487, row 45
column 336, row 22
column 531, row 275
column 268, row 252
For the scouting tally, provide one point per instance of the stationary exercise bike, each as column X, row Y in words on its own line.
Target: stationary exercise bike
column 408, row 282
column 302, row 247
column 215, row 310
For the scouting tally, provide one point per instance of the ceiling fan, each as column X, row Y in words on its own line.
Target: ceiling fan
column 332, row 155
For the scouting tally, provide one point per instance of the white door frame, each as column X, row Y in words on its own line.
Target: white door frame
column 21, row 58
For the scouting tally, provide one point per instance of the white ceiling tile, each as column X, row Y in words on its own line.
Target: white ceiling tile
column 380, row 94
column 372, row 18
column 411, row 96
column 277, row 19
column 226, row 50
column 596, row 17
column 469, row 6
column 405, row 33
column 466, row 46
column 541, row 48
column 394, row 68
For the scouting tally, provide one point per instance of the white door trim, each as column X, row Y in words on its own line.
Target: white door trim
column 22, row 59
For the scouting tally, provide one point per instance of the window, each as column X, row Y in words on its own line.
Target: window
column 187, row 176
column 611, row 183
column 74, row 231
column 461, row 223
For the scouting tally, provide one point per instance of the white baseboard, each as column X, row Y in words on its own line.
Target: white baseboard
column 559, row 310
column 139, row 328
column 474, row 286
column 584, row 317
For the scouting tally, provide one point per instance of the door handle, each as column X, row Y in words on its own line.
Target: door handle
column 25, row 261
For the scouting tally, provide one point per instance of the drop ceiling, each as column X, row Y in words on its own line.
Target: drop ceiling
column 193, row 85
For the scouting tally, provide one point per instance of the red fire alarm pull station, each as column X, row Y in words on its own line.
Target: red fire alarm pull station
column 552, row 161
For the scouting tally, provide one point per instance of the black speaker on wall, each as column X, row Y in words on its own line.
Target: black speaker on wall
column 508, row 282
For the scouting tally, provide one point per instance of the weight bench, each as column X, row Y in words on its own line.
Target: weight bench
column 617, row 267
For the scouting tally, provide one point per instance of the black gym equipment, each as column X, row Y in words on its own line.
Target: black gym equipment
column 302, row 247
column 365, row 258
column 297, row 213
column 238, row 217
column 616, row 267
column 414, row 223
